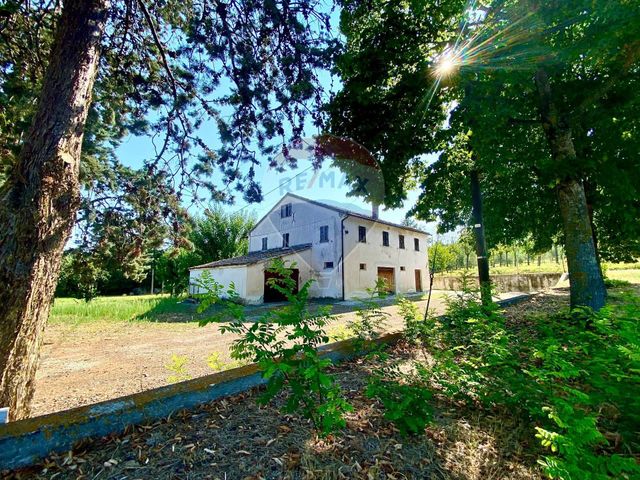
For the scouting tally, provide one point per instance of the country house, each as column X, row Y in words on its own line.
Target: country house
column 342, row 250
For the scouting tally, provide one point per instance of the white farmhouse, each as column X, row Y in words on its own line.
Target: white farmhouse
column 343, row 251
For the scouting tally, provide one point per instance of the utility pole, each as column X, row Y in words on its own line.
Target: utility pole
column 481, row 244
column 153, row 271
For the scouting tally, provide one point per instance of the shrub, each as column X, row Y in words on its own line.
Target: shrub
column 370, row 318
column 407, row 405
column 283, row 342
column 574, row 376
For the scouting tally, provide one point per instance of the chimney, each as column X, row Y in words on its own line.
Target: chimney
column 375, row 207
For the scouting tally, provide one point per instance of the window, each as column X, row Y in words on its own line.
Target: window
column 363, row 266
column 324, row 234
column 385, row 239
column 362, row 235
column 285, row 210
column 285, row 239
column 264, row 243
column 402, row 269
column 328, row 265
column 416, row 244
column 401, row 242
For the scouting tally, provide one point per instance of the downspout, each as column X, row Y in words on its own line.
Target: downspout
column 342, row 252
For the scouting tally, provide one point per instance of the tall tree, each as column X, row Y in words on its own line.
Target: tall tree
column 173, row 70
column 38, row 201
column 215, row 235
column 530, row 84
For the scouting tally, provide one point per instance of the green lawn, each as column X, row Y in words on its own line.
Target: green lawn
column 150, row 308
column 631, row 275
column 164, row 308
column 547, row 267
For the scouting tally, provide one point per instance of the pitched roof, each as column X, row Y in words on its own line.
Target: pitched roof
column 351, row 213
column 254, row 257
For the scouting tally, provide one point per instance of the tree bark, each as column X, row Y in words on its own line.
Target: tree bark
column 585, row 277
column 40, row 201
column 482, row 254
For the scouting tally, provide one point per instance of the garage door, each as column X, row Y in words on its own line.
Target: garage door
column 387, row 274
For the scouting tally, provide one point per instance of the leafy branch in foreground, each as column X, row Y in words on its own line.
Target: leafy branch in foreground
column 570, row 376
column 284, row 343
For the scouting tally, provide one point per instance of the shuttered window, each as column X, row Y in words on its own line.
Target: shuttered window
column 324, row 234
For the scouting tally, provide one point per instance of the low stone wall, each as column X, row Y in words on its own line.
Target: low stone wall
column 524, row 282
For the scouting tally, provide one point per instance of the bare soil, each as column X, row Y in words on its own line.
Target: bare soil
column 235, row 438
column 91, row 362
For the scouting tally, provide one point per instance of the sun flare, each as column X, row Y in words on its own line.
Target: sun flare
column 447, row 63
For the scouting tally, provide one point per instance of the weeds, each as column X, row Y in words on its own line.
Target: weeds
column 574, row 377
column 284, row 342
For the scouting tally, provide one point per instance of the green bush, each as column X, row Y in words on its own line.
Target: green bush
column 370, row 318
column 284, row 342
column 407, row 405
column 575, row 377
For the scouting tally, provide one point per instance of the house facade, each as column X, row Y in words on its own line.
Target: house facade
column 344, row 252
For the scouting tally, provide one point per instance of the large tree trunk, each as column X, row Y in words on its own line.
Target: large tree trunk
column 40, row 201
column 585, row 276
column 477, row 218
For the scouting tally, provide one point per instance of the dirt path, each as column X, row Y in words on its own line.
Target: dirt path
column 88, row 363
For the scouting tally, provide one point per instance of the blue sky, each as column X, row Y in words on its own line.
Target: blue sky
column 327, row 184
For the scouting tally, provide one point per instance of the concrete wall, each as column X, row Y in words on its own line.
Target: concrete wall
column 524, row 282
column 373, row 254
column 222, row 275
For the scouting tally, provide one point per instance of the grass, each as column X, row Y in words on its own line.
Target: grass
column 149, row 308
column 163, row 308
column 631, row 276
column 547, row 267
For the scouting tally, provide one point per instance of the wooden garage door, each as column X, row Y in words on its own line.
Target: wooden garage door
column 270, row 293
column 387, row 274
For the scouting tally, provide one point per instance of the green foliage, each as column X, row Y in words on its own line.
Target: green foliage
column 143, row 308
column 284, row 343
column 407, row 405
column 178, row 367
column 570, row 374
column 392, row 103
column 216, row 364
column 615, row 283
column 370, row 318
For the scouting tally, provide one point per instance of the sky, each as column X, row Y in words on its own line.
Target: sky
column 327, row 184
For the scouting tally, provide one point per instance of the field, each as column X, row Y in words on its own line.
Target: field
column 612, row 270
column 115, row 346
column 143, row 308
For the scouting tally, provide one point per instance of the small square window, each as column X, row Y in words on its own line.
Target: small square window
column 363, row 266
column 385, row 239
column 285, row 239
column 324, row 234
column 264, row 243
column 416, row 244
column 402, row 269
column 401, row 242
column 285, row 210
column 362, row 234
column 328, row 265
